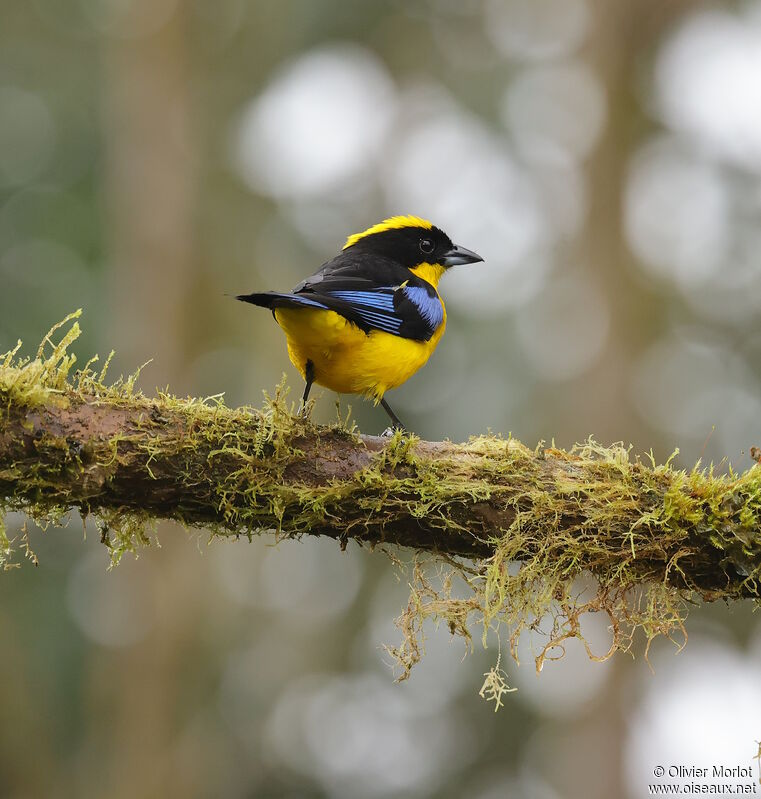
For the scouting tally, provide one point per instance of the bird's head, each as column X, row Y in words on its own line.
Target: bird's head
column 415, row 243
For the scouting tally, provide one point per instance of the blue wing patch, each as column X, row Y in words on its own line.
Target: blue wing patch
column 375, row 308
column 384, row 301
column 407, row 311
column 429, row 307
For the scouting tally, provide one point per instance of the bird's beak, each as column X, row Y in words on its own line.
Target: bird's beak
column 460, row 255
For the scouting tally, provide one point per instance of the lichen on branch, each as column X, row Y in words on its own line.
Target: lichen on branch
column 504, row 537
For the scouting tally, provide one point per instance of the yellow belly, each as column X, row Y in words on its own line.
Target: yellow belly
column 345, row 358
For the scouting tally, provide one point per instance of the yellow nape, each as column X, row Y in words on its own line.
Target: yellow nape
column 393, row 223
column 429, row 272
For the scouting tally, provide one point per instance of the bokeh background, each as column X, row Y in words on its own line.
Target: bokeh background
column 604, row 156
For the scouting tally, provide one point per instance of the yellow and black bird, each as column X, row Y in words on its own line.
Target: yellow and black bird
column 368, row 319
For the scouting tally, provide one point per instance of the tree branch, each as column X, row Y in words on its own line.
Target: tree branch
column 243, row 471
column 642, row 530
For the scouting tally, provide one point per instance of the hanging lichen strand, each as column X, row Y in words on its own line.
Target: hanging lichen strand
column 503, row 536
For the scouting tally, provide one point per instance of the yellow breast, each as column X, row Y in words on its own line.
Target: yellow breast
column 348, row 360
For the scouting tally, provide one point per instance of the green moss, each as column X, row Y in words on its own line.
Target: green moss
column 634, row 529
column 592, row 530
column 6, row 549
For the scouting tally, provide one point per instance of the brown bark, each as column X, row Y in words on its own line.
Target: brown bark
column 243, row 471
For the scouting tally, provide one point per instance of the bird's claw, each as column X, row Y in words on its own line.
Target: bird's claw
column 389, row 431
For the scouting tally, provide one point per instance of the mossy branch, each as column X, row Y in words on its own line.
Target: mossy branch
column 651, row 535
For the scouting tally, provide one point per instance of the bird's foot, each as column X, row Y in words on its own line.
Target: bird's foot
column 389, row 431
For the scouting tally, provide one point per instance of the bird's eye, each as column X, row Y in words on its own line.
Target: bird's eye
column 426, row 246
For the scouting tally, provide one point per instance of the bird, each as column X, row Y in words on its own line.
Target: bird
column 369, row 318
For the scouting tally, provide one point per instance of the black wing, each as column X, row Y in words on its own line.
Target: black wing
column 372, row 292
column 358, row 269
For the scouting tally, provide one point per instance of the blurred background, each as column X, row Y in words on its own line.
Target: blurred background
column 604, row 156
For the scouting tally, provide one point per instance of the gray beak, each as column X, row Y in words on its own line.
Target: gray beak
column 460, row 255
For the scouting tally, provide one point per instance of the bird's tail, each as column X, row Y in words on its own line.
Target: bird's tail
column 275, row 299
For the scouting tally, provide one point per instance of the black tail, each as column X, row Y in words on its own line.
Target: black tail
column 276, row 299
column 265, row 299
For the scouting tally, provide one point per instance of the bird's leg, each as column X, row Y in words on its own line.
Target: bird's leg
column 397, row 423
column 309, row 378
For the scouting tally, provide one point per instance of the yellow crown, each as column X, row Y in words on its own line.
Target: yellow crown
column 392, row 223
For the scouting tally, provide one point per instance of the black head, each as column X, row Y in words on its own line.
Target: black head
column 411, row 241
